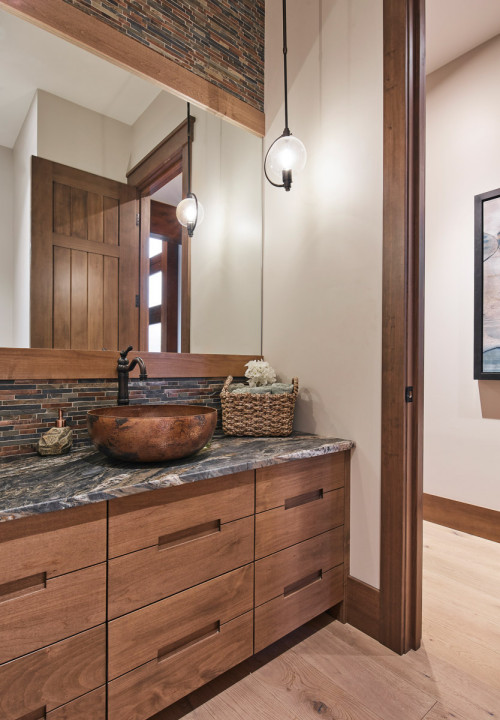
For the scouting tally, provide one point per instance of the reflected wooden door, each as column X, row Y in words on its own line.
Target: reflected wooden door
column 84, row 260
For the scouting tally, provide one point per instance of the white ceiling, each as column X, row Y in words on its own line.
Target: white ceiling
column 453, row 27
column 32, row 58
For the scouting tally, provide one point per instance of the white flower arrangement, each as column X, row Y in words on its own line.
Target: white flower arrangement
column 259, row 373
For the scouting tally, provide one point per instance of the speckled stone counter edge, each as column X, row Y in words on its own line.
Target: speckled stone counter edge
column 108, row 480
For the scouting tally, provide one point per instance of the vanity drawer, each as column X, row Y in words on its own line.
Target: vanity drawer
column 280, row 616
column 276, row 574
column 153, row 632
column 52, row 543
column 148, row 575
column 292, row 523
column 278, row 484
column 166, row 516
column 145, row 691
column 89, row 707
column 49, row 678
column 45, row 611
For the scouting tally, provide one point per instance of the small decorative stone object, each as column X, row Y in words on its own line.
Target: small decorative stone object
column 58, row 440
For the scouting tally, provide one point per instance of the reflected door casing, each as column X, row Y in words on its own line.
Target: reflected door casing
column 84, row 260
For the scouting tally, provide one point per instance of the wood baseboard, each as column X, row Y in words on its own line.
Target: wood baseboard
column 470, row 519
column 363, row 607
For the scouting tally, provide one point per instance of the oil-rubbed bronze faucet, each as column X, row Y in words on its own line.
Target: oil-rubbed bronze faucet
column 124, row 368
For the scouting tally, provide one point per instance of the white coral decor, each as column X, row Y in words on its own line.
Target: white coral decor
column 259, row 373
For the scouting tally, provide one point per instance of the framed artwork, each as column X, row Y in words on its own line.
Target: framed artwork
column 487, row 286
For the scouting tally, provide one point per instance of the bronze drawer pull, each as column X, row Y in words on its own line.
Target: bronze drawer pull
column 303, row 583
column 303, row 499
column 192, row 639
column 188, row 534
column 24, row 586
column 39, row 714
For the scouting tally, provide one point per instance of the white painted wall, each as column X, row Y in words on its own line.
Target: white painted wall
column 73, row 135
column 462, row 416
column 323, row 240
column 25, row 146
column 6, row 245
column 156, row 122
column 226, row 249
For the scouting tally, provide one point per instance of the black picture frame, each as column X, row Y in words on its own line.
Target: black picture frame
column 479, row 287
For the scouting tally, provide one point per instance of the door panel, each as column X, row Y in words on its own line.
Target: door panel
column 85, row 260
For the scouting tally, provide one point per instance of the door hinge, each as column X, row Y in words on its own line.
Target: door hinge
column 138, row 219
column 409, row 394
column 137, row 301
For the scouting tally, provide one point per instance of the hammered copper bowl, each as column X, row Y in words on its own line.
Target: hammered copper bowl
column 151, row 433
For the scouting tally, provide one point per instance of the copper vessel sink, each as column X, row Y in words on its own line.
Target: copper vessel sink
column 151, row 433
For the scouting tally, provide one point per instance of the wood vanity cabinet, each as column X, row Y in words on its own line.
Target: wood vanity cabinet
column 53, row 614
column 299, row 544
column 116, row 610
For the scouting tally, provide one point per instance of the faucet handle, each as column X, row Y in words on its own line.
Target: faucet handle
column 124, row 353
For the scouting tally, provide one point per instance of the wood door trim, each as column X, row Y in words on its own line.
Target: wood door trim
column 167, row 154
column 99, row 38
column 471, row 519
column 50, row 364
column 167, row 160
column 402, row 322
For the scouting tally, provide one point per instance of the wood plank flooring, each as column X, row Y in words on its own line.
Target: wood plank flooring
column 333, row 671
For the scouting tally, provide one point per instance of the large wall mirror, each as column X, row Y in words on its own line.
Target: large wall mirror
column 93, row 259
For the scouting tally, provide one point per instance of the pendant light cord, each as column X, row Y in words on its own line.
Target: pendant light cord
column 285, row 71
column 189, row 146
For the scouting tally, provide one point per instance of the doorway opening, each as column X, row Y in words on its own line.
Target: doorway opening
column 161, row 180
column 164, row 282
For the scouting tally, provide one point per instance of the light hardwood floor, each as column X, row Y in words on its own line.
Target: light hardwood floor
column 333, row 671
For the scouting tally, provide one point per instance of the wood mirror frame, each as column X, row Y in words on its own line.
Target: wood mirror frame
column 68, row 22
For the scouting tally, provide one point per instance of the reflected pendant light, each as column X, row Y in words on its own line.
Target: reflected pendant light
column 189, row 211
column 287, row 154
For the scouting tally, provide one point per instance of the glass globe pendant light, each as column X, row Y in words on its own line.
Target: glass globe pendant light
column 189, row 211
column 287, row 155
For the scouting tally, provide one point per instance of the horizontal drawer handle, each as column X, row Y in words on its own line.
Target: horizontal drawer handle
column 39, row 714
column 193, row 639
column 303, row 583
column 188, row 534
column 24, row 586
column 303, row 499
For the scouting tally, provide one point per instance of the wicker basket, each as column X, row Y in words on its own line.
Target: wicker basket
column 258, row 415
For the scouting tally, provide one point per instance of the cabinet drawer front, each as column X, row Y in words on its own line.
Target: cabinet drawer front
column 280, row 616
column 53, row 543
column 139, row 521
column 155, row 631
column 279, row 528
column 53, row 676
column 88, row 707
column 149, row 575
column 48, row 611
column 278, row 483
column 143, row 692
column 276, row 573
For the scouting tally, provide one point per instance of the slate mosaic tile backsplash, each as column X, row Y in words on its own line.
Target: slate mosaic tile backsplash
column 221, row 41
column 29, row 408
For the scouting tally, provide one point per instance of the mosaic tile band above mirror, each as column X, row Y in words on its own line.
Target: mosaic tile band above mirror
column 221, row 41
column 29, row 408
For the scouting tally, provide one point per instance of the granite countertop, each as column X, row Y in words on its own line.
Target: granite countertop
column 40, row 485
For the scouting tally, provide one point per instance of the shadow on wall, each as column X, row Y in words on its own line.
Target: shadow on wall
column 489, row 394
